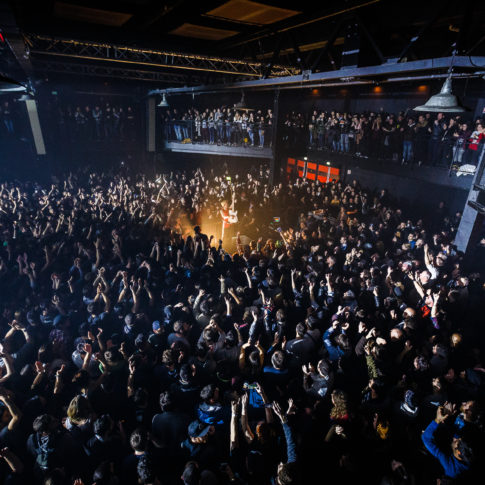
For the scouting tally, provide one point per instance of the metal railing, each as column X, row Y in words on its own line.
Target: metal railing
column 218, row 133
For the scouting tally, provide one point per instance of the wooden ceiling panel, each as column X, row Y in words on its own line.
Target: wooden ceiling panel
column 78, row 13
column 202, row 32
column 247, row 11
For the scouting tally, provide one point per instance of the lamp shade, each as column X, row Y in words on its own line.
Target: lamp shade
column 8, row 85
column 242, row 103
column 163, row 103
column 443, row 102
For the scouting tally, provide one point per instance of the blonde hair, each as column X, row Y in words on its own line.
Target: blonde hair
column 79, row 410
column 340, row 408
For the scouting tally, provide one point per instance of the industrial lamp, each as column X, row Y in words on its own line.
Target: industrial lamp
column 9, row 85
column 163, row 103
column 445, row 101
column 242, row 103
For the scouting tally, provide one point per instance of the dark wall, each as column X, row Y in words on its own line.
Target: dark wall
column 187, row 161
column 421, row 195
column 388, row 97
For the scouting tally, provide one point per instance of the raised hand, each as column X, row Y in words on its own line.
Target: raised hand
column 245, row 400
column 279, row 411
column 60, row 371
column 40, row 367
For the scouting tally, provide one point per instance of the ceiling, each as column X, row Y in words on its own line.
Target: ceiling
column 304, row 35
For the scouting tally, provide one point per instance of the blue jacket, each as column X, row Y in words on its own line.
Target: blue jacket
column 214, row 414
column 334, row 351
column 451, row 465
column 290, row 444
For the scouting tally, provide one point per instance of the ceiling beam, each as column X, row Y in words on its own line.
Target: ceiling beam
column 73, row 68
column 365, row 74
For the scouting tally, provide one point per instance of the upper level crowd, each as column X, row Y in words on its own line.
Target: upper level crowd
column 224, row 126
column 405, row 138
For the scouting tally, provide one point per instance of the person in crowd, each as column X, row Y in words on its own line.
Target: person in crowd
column 475, row 142
column 408, row 136
column 98, row 122
column 6, row 116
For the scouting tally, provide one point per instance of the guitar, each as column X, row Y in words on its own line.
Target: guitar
column 232, row 213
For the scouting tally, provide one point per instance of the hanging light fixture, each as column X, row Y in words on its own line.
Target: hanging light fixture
column 163, row 103
column 242, row 103
column 26, row 97
column 445, row 101
column 9, row 85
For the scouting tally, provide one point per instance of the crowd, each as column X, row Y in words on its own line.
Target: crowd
column 221, row 126
column 407, row 138
column 344, row 346
column 95, row 121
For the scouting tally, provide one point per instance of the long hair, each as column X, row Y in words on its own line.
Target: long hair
column 340, row 407
column 79, row 409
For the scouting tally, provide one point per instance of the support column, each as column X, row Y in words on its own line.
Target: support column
column 274, row 163
column 150, row 126
column 35, row 126
column 474, row 212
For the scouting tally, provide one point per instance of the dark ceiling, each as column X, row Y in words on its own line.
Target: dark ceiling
column 302, row 35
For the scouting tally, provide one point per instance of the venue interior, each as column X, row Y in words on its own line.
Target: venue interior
column 242, row 242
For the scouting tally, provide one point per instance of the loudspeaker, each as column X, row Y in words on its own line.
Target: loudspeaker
column 351, row 49
column 35, row 126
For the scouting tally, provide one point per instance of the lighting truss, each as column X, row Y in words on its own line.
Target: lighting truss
column 95, row 51
column 111, row 71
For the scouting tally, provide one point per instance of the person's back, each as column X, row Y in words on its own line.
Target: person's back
column 301, row 349
column 170, row 429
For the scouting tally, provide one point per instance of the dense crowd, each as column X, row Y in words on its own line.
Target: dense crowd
column 408, row 138
column 345, row 346
column 221, row 126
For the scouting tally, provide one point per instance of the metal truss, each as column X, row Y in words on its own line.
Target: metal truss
column 94, row 51
column 108, row 71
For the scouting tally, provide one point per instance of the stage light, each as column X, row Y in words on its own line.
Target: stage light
column 305, row 158
column 328, row 163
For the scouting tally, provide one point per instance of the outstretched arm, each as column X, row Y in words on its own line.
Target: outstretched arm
column 14, row 411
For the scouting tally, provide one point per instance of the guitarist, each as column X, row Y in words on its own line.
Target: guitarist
column 229, row 218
